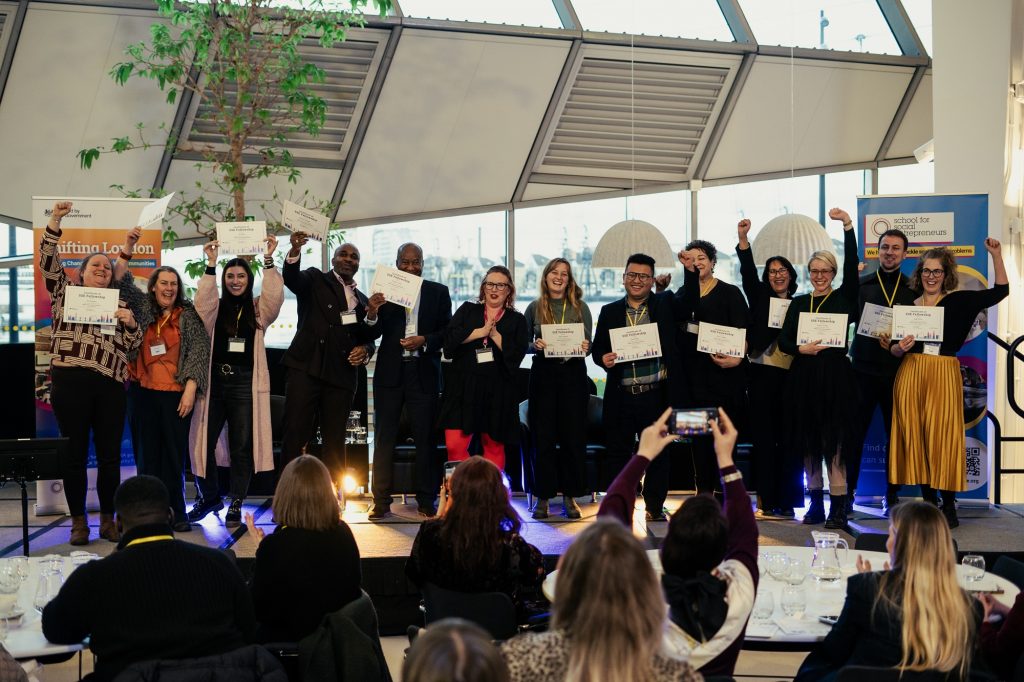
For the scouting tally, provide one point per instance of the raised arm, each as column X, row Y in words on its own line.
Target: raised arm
column 272, row 293
column 296, row 282
column 850, row 288
column 742, row 543
column 49, row 262
column 752, row 286
column 620, row 499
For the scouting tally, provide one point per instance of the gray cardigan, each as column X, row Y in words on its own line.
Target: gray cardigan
column 194, row 359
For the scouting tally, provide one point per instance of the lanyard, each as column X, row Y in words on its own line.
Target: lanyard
column 638, row 314
column 889, row 299
column 487, row 338
column 822, row 301
column 161, row 322
column 238, row 319
column 564, row 306
column 151, row 538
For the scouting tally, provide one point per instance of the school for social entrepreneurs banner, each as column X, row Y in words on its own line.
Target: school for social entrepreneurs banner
column 960, row 223
column 94, row 225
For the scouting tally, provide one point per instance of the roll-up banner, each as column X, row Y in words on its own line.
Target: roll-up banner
column 960, row 223
column 94, row 225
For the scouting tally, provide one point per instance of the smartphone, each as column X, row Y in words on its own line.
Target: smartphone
column 690, row 423
column 829, row 620
column 449, row 468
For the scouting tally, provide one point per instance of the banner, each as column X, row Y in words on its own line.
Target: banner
column 94, row 225
column 960, row 223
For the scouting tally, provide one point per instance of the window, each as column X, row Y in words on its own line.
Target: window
column 17, row 322
column 843, row 25
column 912, row 178
column 920, row 13
column 674, row 18
column 516, row 12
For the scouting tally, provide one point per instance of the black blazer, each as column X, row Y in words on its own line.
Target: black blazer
column 434, row 315
column 322, row 343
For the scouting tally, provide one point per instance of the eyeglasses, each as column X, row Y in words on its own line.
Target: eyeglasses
column 927, row 272
column 820, row 273
column 637, row 276
column 776, row 273
column 495, row 286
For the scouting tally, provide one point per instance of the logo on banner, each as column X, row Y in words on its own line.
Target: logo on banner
column 920, row 228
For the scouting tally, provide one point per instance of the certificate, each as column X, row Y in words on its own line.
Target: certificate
column 300, row 219
column 875, row 320
column 923, row 322
column 563, row 340
column 721, row 340
column 242, row 239
column 635, row 343
column 155, row 212
column 828, row 329
column 777, row 308
column 397, row 286
column 90, row 305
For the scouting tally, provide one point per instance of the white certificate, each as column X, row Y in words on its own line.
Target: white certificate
column 721, row 340
column 397, row 286
column 923, row 322
column 242, row 239
column 635, row 343
column 777, row 308
column 155, row 212
column 875, row 320
column 563, row 340
column 828, row 329
column 300, row 219
column 90, row 305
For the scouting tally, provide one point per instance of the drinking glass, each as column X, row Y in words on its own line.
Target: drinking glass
column 764, row 606
column 47, row 588
column 974, row 567
column 798, row 570
column 778, row 565
column 794, row 600
column 762, row 562
column 22, row 566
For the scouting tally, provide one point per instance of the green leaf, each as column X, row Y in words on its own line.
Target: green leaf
column 87, row 156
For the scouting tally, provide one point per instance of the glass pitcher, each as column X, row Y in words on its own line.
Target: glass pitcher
column 826, row 565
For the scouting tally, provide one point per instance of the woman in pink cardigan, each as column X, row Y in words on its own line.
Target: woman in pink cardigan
column 238, row 400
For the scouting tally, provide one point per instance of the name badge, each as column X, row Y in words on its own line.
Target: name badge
column 693, row 328
column 484, row 355
column 157, row 349
column 931, row 349
column 349, row 317
column 236, row 345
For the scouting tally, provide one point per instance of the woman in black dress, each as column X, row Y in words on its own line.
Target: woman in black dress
column 486, row 342
column 777, row 474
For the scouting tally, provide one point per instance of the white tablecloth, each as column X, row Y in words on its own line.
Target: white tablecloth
column 25, row 640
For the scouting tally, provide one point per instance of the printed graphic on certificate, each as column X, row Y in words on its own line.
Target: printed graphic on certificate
column 923, row 322
column 875, row 320
column 563, row 340
column 721, row 340
column 635, row 343
column 300, row 219
column 828, row 329
column 777, row 308
column 242, row 239
column 397, row 286
column 90, row 305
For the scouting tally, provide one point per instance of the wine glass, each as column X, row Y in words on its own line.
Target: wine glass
column 974, row 567
column 794, row 601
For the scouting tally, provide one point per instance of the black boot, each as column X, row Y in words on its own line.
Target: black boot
column 837, row 513
column 949, row 508
column 891, row 499
column 816, row 512
column 930, row 494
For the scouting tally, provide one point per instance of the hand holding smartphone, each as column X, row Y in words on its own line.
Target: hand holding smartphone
column 692, row 423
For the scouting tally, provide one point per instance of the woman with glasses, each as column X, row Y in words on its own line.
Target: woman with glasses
column 559, row 393
column 928, row 442
column 486, row 342
column 777, row 474
column 822, row 390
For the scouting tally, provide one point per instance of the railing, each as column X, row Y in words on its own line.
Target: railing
column 997, row 429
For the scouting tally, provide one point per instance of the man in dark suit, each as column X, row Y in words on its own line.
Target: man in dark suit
column 638, row 392
column 408, row 374
column 332, row 341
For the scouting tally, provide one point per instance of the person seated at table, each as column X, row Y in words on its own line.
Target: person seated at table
column 454, row 649
column 710, row 559
column 1002, row 635
column 474, row 545
column 156, row 598
column 913, row 616
column 309, row 566
column 607, row 618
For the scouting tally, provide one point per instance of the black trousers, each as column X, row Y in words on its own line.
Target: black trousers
column 162, row 441
column 421, row 408
column 778, row 474
column 85, row 401
column 874, row 390
column 308, row 401
column 636, row 413
column 230, row 403
column 559, row 395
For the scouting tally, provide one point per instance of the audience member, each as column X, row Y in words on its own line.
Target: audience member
column 474, row 544
column 607, row 619
column 309, row 566
column 156, row 597
column 913, row 616
column 1002, row 635
column 454, row 650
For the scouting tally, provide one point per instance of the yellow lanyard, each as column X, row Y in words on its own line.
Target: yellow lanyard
column 638, row 314
column 889, row 299
column 151, row 538
column 705, row 290
column 564, row 304
column 161, row 322
column 820, row 304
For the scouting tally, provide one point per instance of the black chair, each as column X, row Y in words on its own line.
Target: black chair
column 1011, row 569
column 251, row 662
column 493, row 611
column 875, row 542
column 859, row 673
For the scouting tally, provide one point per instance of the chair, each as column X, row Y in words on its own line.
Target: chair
column 345, row 647
column 871, row 542
column 1011, row 569
column 251, row 662
column 493, row 611
column 859, row 673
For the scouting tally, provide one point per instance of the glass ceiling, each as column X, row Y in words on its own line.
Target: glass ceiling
column 844, row 25
column 671, row 18
column 516, row 12
column 920, row 13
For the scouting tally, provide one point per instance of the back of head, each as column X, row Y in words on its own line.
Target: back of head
column 697, row 537
column 480, row 515
column 142, row 499
column 454, row 650
column 609, row 603
column 305, row 496
column 938, row 622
